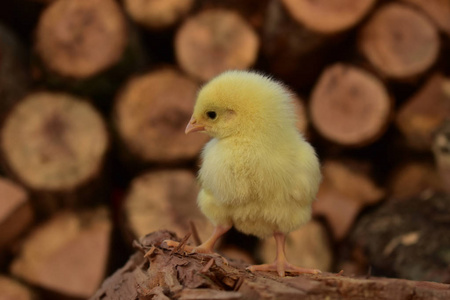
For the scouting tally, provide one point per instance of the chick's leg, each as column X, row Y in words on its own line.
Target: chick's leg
column 208, row 245
column 281, row 265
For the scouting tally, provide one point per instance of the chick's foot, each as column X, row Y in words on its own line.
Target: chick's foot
column 199, row 249
column 281, row 267
column 208, row 246
column 190, row 249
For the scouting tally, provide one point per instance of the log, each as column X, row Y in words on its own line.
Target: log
column 158, row 15
column 16, row 214
column 151, row 114
column 441, row 151
column 164, row 199
column 437, row 10
column 292, row 52
column 345, row 190
column 253, row 11
column 350, row 106
column 45, row 2
column 80, row 39
column 400, row 42
column 213, row 41
column 172, row 275
column 67, row 254
column 14, row 77
column 328, row 17
column 87, row 48
column 300, row 110
column 422, row 115
column 55, row 144
column 308, row 247
column 413, row 178
column 14, row 290
column 408, row 239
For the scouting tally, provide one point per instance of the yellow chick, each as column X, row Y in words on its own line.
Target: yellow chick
column 258, row 173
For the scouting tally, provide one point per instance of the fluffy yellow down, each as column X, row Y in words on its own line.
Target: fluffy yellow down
column 258, row 172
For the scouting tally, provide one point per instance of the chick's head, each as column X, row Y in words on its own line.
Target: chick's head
column 241, row 102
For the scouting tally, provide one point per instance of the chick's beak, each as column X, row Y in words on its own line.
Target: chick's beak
column 193, row 126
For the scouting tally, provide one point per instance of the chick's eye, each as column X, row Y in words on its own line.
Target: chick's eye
column 211, row 114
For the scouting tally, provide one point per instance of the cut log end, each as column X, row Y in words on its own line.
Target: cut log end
column 301, row 113
column 350, row 106
column 422, row 115
column 152, row 113
column 14, row 290
column 54, row 141
column 157, row 14
column 67, row 254
column 15, row 212
column 437, row 10
column 328, row 17
column 81, row 38
column 345, row 191
column 412, row 179
column 214, row 41
column 399, row 41
column 164, row 199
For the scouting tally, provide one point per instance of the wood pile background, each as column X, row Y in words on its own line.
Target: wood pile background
column 95, row 96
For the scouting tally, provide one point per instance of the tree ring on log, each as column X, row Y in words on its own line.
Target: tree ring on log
column 328, row 17
column 81, row 38
column 54, row 141
column 399, row 41
column 151, row 114
column 157, row 14
column 164, row 199
column 214, row 41
column 350, row 106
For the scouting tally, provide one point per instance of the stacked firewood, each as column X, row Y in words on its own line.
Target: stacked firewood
column 95, row 96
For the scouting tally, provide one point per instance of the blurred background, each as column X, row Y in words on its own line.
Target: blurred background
column 95, row 96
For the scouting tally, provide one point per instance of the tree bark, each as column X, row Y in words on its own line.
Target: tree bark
column 213, row 41
column 400, row 42
column 350, row 106
column 408, row 239
column 167, row 274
